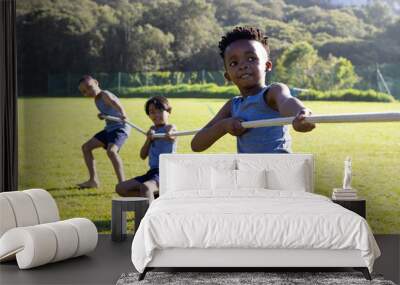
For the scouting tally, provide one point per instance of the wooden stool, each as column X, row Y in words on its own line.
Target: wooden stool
column 120, row 205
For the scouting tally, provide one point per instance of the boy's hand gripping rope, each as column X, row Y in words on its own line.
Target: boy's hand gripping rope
column 116, row 119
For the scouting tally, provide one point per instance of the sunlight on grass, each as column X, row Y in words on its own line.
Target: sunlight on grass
column 51, row 132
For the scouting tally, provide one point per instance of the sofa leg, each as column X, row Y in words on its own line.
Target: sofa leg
column 364, row 271
column 143, row 274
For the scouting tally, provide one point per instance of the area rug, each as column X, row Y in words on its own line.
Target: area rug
column 244, row 278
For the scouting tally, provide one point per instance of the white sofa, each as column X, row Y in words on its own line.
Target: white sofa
column 31, row 231
column 201, row 193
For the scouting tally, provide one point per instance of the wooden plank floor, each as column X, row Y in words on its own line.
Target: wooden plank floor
column 111, row 259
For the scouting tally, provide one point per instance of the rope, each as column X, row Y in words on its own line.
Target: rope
column 340, row 118
column 116, row 119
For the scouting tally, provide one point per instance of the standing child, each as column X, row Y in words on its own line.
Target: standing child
column 245, row 53
column 158, row 109
column 111, row 138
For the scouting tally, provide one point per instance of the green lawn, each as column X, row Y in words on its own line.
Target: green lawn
column 51, row 132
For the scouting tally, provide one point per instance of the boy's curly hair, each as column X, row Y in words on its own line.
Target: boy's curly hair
column 160, row 102
column 85, row 77
column 243, row 33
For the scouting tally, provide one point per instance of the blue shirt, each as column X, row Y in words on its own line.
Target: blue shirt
column 260, row 140
column 111, row 111
column 159, row 146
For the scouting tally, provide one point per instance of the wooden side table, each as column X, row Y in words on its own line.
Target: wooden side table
column 120, row 205
column 357, row 206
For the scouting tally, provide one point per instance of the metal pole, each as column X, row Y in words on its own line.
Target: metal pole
column 119, row 82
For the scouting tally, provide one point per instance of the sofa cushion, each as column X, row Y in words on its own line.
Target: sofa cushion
column 7, row 220
column 45, row 205
column 23, row 208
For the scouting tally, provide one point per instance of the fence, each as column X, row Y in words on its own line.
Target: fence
column 66, row 84
column 380, row 78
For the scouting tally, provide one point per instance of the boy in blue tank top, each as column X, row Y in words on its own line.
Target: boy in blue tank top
column 158, row 110
column 111, row 138
column 245, row 53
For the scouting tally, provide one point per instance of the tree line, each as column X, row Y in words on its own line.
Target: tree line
column 313, row 44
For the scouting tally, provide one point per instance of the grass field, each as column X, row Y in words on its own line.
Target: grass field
column 51, row 132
